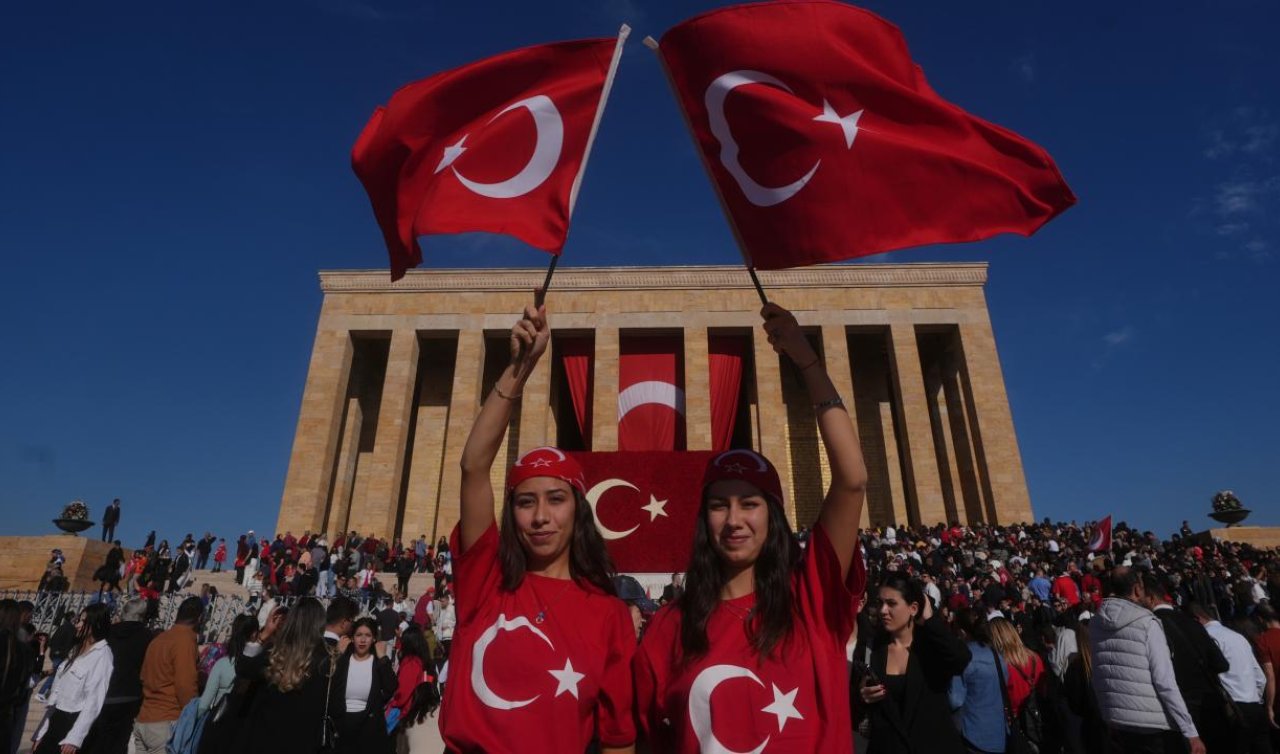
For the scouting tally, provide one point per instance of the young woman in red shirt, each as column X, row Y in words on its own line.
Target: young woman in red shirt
column 751, row 657
column 540, row 661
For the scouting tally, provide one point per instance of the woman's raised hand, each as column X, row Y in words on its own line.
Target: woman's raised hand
column 786, row 336
column 529, row 339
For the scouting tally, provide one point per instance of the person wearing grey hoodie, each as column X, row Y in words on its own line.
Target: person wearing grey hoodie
column 1133, row 677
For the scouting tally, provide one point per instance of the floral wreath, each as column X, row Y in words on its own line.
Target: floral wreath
column 76, row 510
column 1226, row 500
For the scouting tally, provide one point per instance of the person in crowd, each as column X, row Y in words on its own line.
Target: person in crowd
column 66, row 636
column 1065, row 587
column 1085, row 724
column 111, row 571
column 203, row 549
column 220, row 556
column 110, row 520
column 1133, row 676
column 79, row 686
column 368, row 684
column 753, row 607
column 417, row 665
column 223, row 730
column 1197, row 661
column 17, row 663
column 244, row 629
column 914, row 657
column 1023, row 670
column 169, row 679
column 339, row 617
column 296, row 708
column 975, row 694
column 674, row 589
column 1268, row 643
column 1243, row 681
column 445, row 621
column 543, row 581
column 128, row 640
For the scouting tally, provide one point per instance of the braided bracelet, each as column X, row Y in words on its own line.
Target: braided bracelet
column 503, row 395
column 828, row 403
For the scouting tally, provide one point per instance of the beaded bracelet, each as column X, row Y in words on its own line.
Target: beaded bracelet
column 828, row 403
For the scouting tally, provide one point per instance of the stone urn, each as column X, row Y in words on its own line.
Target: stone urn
column 72, row 526
column 1230, row 517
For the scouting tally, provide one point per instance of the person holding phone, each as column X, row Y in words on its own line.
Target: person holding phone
column 914, row 657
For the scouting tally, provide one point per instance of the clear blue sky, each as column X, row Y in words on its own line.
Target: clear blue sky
column 172, row 176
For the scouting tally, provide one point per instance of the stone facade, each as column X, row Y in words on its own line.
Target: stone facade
column 398, row 371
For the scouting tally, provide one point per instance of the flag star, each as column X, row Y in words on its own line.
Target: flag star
column 847, row 123
column 784, row 706
column 655, row 507
column 568, row 679
column 735, row 467
column 540, row 463
column 451, row 153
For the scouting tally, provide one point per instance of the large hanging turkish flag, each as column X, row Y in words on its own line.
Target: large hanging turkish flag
column 651, row 394
column 497, row 145
column 646, row 505
column 825, row 141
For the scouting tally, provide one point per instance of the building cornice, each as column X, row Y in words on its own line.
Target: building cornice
column 708, row 277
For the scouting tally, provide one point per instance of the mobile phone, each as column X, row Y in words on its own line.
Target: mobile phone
column 869, row 677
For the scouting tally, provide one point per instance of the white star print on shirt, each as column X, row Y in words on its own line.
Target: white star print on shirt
column 784, row 706
column 568, row 679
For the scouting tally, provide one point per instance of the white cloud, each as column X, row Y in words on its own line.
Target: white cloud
column 1025, row 67
column 1237, row 197
column 1231, row 229
column 1119, row 337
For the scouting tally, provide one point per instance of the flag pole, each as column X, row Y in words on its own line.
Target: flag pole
column 652, row 44
column 540, row 295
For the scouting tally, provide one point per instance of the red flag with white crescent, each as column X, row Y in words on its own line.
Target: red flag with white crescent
column 650, row 394
column 825, row 142
column 498, row 145
column 646, row 505
column 1101, row 536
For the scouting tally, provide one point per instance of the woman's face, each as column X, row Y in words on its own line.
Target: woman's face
column 737, row 520
column 363, row 641
column 895, row 612
column 544, row 508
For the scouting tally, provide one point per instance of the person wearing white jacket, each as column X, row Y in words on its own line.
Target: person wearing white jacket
column 1133, row 678
column 79, row 687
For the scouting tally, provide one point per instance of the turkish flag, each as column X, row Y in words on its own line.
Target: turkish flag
column 651, row 394
column 646, row 505
column 497, row 146
column 826, row 143
column 1101, row 536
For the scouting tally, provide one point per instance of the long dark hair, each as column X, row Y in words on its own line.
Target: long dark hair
column 96, row 625
column 588, row 559
column 912, row 592
column 242, row 630
column 773, row 615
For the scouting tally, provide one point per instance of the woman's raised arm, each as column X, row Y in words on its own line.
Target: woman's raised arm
column 529, row 339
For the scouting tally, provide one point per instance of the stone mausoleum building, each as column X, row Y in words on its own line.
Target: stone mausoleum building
column 398, row 372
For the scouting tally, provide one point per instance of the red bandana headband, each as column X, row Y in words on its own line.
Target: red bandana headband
column 550, row 462
column 747, row 465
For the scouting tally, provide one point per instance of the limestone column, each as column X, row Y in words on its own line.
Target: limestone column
column 835, row 349
column 771, row 440
column 380, row 508
column 345, row 475
column 922, row 461
column 604, row 430
column 464, row 403
column 315, row 441
column 535, row 408
column 994, row 440
column 697, row 389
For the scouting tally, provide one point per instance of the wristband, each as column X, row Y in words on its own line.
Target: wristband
column 828, row 403
column 503, row 395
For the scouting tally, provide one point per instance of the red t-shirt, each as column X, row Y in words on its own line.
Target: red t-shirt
column 1269, row 647
column 1065, row 587
column 1020, row 687
column 517, row 685
column 731, row 699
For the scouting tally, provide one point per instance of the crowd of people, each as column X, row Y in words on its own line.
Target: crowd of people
column 950, row 638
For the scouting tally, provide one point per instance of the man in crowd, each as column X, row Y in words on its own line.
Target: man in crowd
column 1133, row 678
column 128, row 640
column 1244, row 681
column 110, row 520
column 338, row 619
column 1065, row 587
column 203, row 548
column 168, row 679
column 1197, row 661
column 446, row 619
column 1269, row 651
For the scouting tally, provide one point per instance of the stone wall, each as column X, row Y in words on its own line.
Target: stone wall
column 23, row 559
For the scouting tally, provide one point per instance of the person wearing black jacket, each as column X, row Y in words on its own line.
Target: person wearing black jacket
column 128, row 641
column 914, row 656
column 1197, row 661
column 366, row 682
column 17, row 662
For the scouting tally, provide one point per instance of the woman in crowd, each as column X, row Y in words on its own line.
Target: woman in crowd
column 220, row 556
column 368, row 683
column 1077, row 687
column 914, row 658
column 417, row 731
column 754, row 611
column 80, row 685
column 219, row 691
column 975, row 695
column 17, row 663
column 417, row 666
column 541, row 652
column 1023, row 671
column 290, row 712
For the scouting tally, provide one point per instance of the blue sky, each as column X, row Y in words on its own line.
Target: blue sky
column 173, row 175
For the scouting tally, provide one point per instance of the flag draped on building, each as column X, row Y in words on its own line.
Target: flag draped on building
column 1101, row 536
column 825, row 142
column 650, row 394
column 498, row 145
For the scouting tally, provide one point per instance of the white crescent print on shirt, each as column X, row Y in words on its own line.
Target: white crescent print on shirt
column 783, row 707
column 566, row 678
column 763, row 196
column 655, row 507
column 541, row 164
